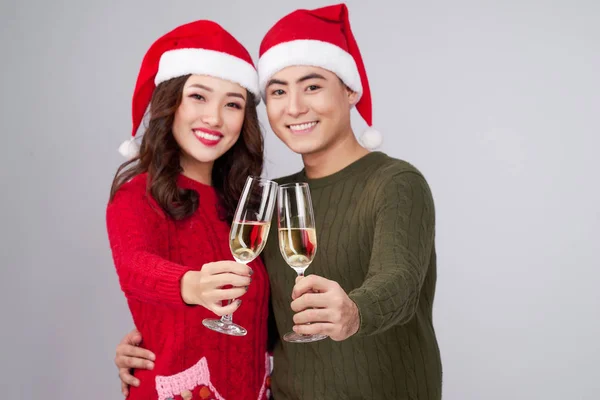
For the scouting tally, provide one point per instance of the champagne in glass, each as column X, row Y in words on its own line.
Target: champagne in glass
column 297, row 237
column 247, row 237
column 298, row 247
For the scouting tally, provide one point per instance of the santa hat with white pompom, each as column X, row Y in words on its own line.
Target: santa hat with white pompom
column 320, row 38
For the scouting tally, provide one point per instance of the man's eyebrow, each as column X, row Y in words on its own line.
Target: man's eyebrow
column 313, row 75
column 276, row 82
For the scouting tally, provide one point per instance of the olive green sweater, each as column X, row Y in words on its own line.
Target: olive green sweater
column 375, row 236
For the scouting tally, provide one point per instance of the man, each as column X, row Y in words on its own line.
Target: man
column 373, row 278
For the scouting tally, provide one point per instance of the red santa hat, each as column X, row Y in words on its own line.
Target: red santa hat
column 320, row 38
column 202, row 48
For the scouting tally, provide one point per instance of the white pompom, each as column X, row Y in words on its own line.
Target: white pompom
column 371, row 139
column 129, row 149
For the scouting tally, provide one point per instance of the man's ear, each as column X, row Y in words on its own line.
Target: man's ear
column 352, row 96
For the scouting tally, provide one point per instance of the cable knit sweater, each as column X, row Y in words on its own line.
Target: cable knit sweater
column 375, row 237
column 152, row 252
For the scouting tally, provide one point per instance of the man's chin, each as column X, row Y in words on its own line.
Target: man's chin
column 304, row 149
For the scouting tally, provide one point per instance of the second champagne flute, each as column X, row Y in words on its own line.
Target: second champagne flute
column 297, row 237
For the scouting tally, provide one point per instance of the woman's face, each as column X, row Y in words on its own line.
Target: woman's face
column 209, row 119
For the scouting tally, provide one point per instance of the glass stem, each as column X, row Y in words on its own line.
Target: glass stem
column 228, row 318
column 301, row 274
column 300, row 271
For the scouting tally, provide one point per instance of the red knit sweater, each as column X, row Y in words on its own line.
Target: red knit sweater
column 151, row 252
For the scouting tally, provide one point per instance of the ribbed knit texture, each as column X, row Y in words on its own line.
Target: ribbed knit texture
column 375, row 236
column 151, row 253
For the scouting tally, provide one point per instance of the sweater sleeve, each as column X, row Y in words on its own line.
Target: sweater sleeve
column 402, row 246
column 138, row 235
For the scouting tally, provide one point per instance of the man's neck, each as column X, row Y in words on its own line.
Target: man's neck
column 333, row 159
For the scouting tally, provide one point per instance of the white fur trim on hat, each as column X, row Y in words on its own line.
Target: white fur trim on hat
column 180, row 62
column 309, row 52
column 371, row 139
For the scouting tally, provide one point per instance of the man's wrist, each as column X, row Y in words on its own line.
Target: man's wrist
column 354, row 319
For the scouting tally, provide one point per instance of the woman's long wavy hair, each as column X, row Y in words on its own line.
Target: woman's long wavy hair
column 159, row 157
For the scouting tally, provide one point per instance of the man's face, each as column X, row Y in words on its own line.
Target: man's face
column 309, row 108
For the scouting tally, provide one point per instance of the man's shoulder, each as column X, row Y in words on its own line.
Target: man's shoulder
column 390, row 168
column 394, row 175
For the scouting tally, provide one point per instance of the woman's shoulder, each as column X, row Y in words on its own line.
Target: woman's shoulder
column 134, row 195
column 134, row 187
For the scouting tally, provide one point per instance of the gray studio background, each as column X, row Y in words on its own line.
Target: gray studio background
column 497, row 102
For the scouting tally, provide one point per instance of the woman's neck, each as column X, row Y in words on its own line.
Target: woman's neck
column 198, row 171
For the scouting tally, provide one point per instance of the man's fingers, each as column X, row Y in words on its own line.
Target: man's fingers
column 127, row 378
column 127, row 350
column 311, row 283
column 124, row 388
column 133, row 362
column 313, row 316
column 310, row 300
column 320, row 327
column 133, row 338
column 224, row 310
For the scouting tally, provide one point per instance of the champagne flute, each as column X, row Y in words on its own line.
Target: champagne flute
column 247, row 237
column 297, row 237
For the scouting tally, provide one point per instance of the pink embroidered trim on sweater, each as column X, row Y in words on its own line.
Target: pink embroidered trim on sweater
column 267, row 373
column 171, row 386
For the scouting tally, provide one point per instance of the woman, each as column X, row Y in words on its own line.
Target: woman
column 169, row 213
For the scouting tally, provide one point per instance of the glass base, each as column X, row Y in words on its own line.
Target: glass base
column 294, row 337
column 222, row 327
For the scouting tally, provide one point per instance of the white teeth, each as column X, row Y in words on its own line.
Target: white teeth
column 206, row 136
column 303, row 127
